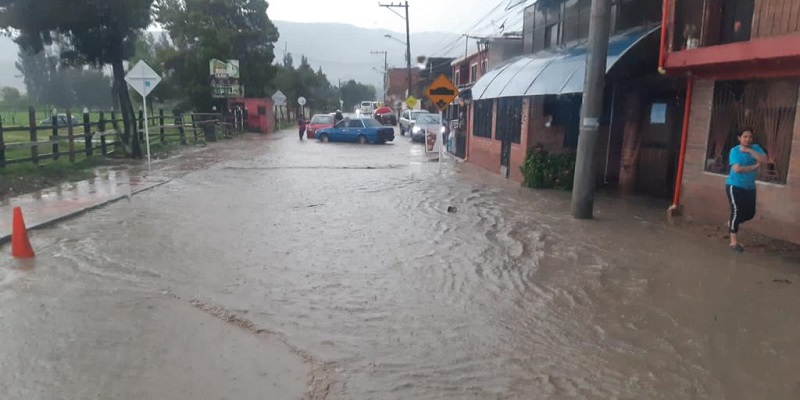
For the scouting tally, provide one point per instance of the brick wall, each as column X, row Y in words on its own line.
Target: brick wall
column 703, row 193
column 485, row 152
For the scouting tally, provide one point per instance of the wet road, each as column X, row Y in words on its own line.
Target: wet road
column 347, row 253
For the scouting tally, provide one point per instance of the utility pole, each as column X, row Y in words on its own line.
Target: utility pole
column 385, row 71
column 591, row 109
column 408, row 37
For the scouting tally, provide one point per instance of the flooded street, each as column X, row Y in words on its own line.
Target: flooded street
column 349, row 256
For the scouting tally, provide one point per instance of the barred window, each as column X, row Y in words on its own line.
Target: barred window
column 766, row 106
column 482, row 119
column 509, row 118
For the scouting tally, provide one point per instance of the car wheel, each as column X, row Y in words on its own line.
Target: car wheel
column 324, row 138
column 362, row 139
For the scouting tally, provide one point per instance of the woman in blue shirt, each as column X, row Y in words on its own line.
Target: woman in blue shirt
column 745, row 160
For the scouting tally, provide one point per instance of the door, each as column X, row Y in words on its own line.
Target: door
column 354, row 128
column 660, row 136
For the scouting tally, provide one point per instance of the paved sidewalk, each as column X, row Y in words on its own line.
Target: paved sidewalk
column 51, row 205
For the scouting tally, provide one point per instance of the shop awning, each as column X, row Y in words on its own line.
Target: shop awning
column 554, row 71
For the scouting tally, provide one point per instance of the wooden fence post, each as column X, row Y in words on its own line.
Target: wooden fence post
column 32, row 123
column 2, row 146
column 181, row 132
column 101, row 126
column 161, row 124
column 70, row 137
column 54, row 135
column 194, row 128
column 87, row 132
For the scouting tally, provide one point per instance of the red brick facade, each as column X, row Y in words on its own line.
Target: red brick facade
column 704, row 192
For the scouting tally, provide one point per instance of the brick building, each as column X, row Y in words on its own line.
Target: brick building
column 398, row 85
column 536, row 98
column 744, row 57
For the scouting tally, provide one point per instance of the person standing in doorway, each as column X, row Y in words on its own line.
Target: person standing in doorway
column 745, row 160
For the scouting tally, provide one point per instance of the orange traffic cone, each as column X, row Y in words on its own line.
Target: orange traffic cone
column 20, row 245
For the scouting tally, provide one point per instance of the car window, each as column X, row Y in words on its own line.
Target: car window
column 428, row 119
column 322, row 119
column 341, row 124
column 405, row 114
column 372, row 122
column 355, row 123
column 416, row 114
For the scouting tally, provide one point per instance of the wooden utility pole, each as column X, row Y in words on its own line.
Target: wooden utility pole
column 591, row 109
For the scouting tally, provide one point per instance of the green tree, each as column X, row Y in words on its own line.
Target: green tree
column 51, row 82
column 354, row 93
column 99, row 32
column 202, row 30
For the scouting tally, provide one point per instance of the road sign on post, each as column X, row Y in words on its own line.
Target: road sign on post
column 442, row 92
column 143, row 80
column 279, row 98
column 411, row 102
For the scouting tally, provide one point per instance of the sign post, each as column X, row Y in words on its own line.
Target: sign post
column 143, row 80
column 442, row 92
column 302, row 101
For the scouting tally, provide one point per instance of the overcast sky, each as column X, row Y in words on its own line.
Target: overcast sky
column 455, row 16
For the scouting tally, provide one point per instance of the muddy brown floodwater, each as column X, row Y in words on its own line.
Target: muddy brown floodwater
column 348, row 254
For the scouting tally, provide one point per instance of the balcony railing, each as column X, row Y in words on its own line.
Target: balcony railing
column 703, row 23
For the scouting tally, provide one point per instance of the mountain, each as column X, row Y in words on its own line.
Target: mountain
column 343, row 50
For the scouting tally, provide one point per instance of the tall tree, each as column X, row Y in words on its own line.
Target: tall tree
column 51, row 82
column 202, row 30
column 99, row 32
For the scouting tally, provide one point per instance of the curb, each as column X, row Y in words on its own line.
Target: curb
column 5, row 239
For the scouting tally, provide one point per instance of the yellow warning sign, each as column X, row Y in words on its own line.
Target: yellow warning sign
column 442, row 92
column 411, row 102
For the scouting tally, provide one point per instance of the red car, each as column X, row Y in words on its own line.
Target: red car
column 385, row 116
column 318, row 121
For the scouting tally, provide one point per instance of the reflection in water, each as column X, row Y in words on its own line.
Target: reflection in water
column 507, row 298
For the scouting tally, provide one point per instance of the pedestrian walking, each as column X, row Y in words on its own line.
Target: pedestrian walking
column 301, row 126
column 337, row 117
column 745, row 160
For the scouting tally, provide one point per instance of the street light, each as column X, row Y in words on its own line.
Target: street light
column 394, row 38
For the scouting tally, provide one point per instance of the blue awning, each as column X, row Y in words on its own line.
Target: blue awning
column 554, row 71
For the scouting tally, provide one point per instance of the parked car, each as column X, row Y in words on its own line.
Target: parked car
column 318, row 121
column 357, row 130
column 386, row 116
column 426, row 123
column 61, row 120
column 407, row 119
column 367, row 107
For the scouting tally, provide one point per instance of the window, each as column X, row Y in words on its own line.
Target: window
column 458, row 77
column 767, row 106
column 355, row 123
column 482, row 119
column 405, row 115
column 737, row 21
column 473, row 72
column 484, row 66
column 551, row 36
column 509, row 118
column 321, row 119
column 565, row 111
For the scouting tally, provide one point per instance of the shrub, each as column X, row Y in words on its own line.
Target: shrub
column 542, row 170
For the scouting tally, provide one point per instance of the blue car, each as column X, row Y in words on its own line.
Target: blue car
column 357, row 130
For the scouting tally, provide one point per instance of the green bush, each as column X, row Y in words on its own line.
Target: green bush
column 543, row 170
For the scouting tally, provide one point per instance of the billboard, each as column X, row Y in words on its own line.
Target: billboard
column 225, row 79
